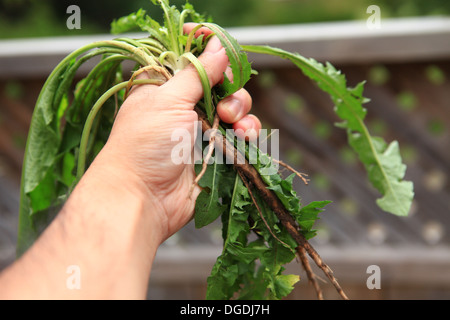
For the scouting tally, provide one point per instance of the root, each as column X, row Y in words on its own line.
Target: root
column 259, row 210
column 301, row 175
column 301, row 240
column 246, row 169
column 311, row 275
column 208, row 156
column 154, row 72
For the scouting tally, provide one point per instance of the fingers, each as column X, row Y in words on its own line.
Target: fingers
column 248, row 127
column 185, row 88
column 187, row 28
column 233, row 108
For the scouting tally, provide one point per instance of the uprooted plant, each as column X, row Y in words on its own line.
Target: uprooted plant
column 71, row 123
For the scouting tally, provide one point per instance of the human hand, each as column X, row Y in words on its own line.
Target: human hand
column 141, row 144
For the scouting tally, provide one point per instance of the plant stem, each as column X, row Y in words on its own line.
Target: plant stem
column 191, row 38
column 153, row 45
column 91, row 117
column 173, row 34
column 205, row 83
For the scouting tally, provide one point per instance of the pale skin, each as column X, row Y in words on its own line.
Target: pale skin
column 132, row 197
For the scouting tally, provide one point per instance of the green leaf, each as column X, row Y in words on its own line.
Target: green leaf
column 195, row 16
column 284, row 284
column 234, row 273
column 46, row 139
column 239, row 64
column 308, row 216
column 173, row 26
column 128, row 23
column 221, row 282
column 237, row 263
column 68, row 165
column 385, row 171
column 383, row 164
column 286, row 193
column 224, row 279
column 246, row 254
column 208, row 206
column 43, row 195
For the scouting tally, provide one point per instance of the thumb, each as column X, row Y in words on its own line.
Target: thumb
column 186, row 84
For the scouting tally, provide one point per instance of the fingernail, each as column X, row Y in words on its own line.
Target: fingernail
column 213, row 45
column 250, row 130
column 233, row 107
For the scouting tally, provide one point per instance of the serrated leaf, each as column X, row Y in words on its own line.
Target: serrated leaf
column 246, row 254
column 128, row 23
column 239, row 64
column 207, row 206
column 385, row 171
column 284, row 284
column 384, row 165
column 223, row 281
column 308, row 216
column 286, row 193
column 195, row 16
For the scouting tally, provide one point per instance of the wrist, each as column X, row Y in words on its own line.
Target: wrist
column 124, row 194
column 112, row 213
column 107, row 230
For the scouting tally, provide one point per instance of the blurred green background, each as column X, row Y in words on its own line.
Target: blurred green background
column 37, row 18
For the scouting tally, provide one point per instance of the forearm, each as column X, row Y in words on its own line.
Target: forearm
column 108, row 233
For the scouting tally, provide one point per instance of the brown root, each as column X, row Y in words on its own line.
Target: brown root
column 153, row 72
column 301, row 175
column 244, row 168
column 208, row 156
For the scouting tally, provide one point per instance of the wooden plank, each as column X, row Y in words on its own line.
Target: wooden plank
column 406, row 39
column 399, row 265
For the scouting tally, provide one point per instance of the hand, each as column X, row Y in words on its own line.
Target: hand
column 131, row 198
column 140, row 140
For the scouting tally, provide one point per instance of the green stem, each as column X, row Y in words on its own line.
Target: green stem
column 138, row 45
column 129, row 50
column 91, row 117
column 183, row 15
column 191, row 38
column 153, row 45
column 45, row 110
column 172, row 33
column 90, row 80
column 68, row 77
column 205, row 83
column 169, row 59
